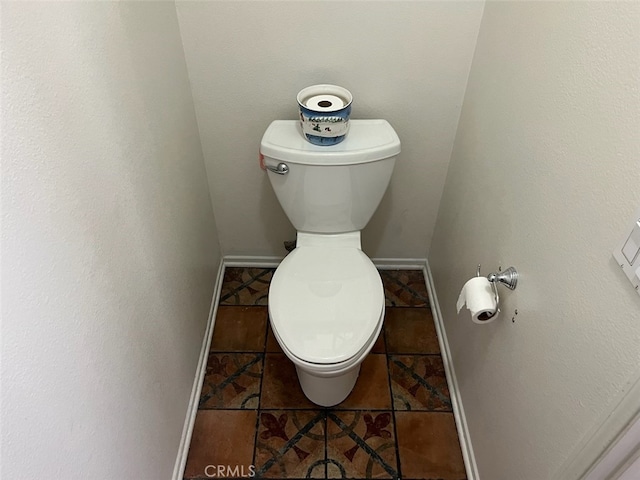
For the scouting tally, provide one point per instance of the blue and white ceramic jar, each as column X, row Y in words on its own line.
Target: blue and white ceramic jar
column 324, row 113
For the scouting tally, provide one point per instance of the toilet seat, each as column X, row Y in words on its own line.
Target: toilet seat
column 332, row 369
column 326, row 303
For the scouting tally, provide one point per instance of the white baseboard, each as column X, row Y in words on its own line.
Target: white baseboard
column 456, row 399
column 399, row 263
column 273, row 262
column 192, row 410
column 251, row 261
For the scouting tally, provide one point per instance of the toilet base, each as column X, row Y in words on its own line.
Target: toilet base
column 328, row 391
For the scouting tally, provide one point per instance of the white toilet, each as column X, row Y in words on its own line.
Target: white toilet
column 326, row 301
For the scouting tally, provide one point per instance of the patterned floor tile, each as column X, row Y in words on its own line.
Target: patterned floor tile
column 410, row 330
column 404, row 288
column 272, row 344
column 418, row 382
column 221, row 437
column 371, row 391
column 280, row 385
column 291, row 444
column 361, row 445
column 239, row 329
column 232, row 380
column 246, row 286
column 428, row 446
column 379, row 346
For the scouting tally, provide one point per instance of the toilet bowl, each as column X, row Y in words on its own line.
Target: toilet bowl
column 326, row 308
column 326, row 300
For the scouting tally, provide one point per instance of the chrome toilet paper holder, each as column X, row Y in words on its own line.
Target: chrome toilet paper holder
column 508, row 278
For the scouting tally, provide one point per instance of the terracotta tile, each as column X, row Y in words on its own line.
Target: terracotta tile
column 410, row 330
column 372, row 388
column 361, row 445
column 232, row 380
column 428, row 446
column 246, row 286
column 379, row 346
column 404, row 288
column 280, row 386
column 221, row 437
column 418, row 382
column 239, row 329
column 272, row 344
column 290, row 444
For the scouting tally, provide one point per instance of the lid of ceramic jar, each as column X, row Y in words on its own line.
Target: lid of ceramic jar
column 367, row 141
column 325, row 303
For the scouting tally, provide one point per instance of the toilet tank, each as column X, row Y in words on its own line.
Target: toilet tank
column 331, row 189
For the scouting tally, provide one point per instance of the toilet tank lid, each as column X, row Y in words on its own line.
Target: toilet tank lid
column 366, row 141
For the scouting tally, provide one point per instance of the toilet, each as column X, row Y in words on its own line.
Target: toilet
column 326, row 300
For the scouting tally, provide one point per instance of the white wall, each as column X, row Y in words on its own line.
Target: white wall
column 109, row 249
column 407, row 62
column 544, row 176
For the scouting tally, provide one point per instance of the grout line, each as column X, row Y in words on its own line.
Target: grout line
column 402, row 307
column 231, row 378
column 361, row 443
column 291, row 443
column 258, row 410
column 413, row 354
column 242, row 286
column 253, row 352
column 412, row 291
column 334, row 410
column 239, row 306
column 252, row 305
column 393, row 406
column 446, row 412
column 239, row 352
column 326, row 441
column 308, row 409
column 243, row 305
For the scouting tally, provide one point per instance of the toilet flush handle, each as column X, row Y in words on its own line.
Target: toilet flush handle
column 280, row 169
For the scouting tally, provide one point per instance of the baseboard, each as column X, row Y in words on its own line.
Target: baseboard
column 192, row 410
column 399, row 263
column 456, row 399
column 273, row 262
column 252, row 261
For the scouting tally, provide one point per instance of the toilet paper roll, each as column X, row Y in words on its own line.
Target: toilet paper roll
column 325, row 103
column 480, row 299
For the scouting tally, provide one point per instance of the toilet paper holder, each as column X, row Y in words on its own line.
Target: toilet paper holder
column 509, row 277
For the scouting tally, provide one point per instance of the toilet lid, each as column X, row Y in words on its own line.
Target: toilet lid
column 325, row 303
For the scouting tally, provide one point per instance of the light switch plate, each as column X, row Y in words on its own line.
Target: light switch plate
column 627, row 252
column 631, row 247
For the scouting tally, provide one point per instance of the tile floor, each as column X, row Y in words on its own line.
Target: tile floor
column 253, row 417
